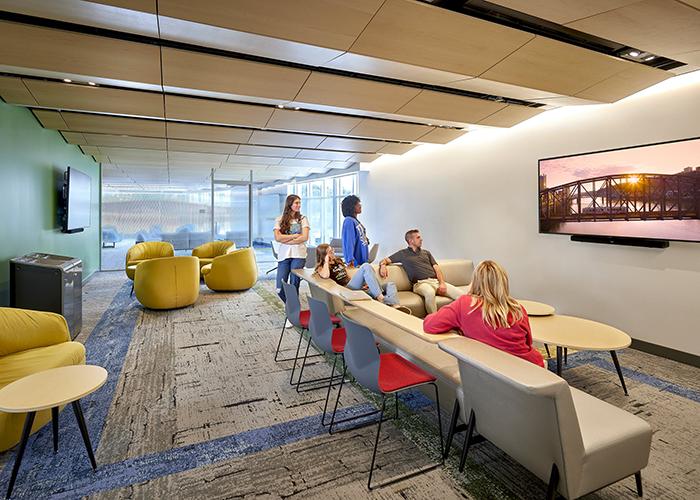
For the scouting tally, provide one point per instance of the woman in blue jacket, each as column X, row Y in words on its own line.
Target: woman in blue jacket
column 354, row 234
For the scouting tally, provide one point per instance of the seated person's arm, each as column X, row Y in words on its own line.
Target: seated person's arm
column 444, row 320
column 442, row 289
column 382, row 267
column 324, row 270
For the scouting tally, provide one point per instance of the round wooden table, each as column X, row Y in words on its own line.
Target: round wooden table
column 582, row 334
column 51, row 389
column 536, row 308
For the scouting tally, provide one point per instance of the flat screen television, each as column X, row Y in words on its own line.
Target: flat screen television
column 648, row 192
column 77, row 198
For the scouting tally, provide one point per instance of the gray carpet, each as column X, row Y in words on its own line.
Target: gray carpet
column 201, row 409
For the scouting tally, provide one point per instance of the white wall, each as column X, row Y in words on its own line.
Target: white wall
column 477, row 198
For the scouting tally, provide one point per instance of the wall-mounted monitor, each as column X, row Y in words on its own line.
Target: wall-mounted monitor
column 650, row 192
column 77, row 199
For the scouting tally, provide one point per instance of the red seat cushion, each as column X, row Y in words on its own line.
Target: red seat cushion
column 396, row 373
column 304, row 318
column 335, row 319
column 338, row 340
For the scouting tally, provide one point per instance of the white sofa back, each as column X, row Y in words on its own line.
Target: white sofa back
column 457, row 272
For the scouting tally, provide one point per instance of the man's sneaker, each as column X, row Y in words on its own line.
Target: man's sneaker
column 403, row 309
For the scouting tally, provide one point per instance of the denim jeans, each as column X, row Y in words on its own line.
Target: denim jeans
column 366, row 275
column 284, row 274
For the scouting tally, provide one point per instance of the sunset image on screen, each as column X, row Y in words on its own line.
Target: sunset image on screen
column 646, row 192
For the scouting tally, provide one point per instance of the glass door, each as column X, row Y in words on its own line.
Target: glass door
column 231, row 215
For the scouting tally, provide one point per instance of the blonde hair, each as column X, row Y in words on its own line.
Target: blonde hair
column 490, row 287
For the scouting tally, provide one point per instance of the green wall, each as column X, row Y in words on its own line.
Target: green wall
column 32, row 160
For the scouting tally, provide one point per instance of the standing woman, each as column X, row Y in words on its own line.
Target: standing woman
column 291, row 232
column 354, row 234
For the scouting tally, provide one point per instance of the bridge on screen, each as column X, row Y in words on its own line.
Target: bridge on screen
column 623, row 197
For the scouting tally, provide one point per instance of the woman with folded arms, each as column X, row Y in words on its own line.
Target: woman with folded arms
column 488, row 314
column 330, row 266
column 291, row 232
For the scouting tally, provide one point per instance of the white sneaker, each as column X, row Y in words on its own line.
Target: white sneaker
column 288, row 324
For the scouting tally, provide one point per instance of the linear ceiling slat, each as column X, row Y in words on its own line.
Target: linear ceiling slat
column 428, row 36
column 102, row 124
column 207, row 111
column 308, row 121
column 430, row 104
column 226, row 77
column 39, row 51
column 562, row 11
column 75, row 138
column 189, row 131
column 264, row 138
column 13, row 91
column 121, row 141
column 510, row 115
column 442, row 135
column 396, row 131
column 630, row 81
column 201, row 146
column 50, row 119
column 245, row 149
column 397, row 149
column 357, row 145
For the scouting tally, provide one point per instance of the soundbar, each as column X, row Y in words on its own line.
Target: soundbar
column 621, row 240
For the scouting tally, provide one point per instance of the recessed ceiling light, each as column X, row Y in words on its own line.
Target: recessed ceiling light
column 650, row 58
column 92, row 83
column 296, row 108
column 430, row 124
column 67, row 80
column 634, row 53
column 280, row 106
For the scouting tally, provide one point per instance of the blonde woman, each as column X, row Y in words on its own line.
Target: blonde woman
column 488, row 314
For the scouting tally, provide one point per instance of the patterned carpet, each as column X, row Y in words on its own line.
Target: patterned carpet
column 196, row 406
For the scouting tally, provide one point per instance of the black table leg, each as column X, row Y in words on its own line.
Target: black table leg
column 619, row 371
column 83, row 430
column 28, row 422
column 559, row 360
column 54, row 422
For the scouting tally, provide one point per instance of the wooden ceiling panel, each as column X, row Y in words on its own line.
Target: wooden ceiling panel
column 50, row 119
column 428, row 36
column 207, row 111
column 227, row 77
column 324, row 23
column 182, row 156
column 397, row 149
column 13, row 91
column 628, row 82
column 296, row 162
column 245, row 149
column 35, row 50
column 121, row 141
column 364, row 157
column 358, row 145
column 431, row 104
column 189, row 131
column 265, row 138
column 127, row 16
column 663, row 27
column 253, row 160
column 490, row 87
column 396, row 131
column 352, row 93
column 317, row 154
column 201, row 146
column 308, row 121
column 563, row 11
column 442, row 135
column 510, row 115
column 340, row 164
column 135, row 155
column 555, row 67
column 99, row 99
column 75, row 138
column 102, row 124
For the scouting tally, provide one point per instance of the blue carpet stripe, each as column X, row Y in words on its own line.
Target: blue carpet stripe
column 604, row 360
column 68, row 474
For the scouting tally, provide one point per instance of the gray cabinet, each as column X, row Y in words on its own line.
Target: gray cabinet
column 46, row 282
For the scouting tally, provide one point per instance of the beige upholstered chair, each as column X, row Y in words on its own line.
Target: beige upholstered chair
column 574, row 441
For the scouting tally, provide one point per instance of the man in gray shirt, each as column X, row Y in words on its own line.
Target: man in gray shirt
column 422, row 270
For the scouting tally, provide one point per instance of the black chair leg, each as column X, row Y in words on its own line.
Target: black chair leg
column 83, row 430
column 553, row 483
column 337, row 400
column 566, row 355
column 451, row 430
column 54, row 422
column 279, row 344
column 328, row 394
column 549, row 355
column 439, row 419
column 303, row 363
column 131, row 294
column 296, row 358
column 619, row 371
column 376, row 442
column 638, row 479
column 26, row 430
column 467, row 440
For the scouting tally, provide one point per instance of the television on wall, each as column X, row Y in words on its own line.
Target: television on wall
column 649, row 192
column 77, row 198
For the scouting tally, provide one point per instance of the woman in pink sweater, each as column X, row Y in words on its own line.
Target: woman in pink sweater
column 488, row 314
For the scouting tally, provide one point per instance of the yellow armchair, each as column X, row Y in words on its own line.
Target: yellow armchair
column 30, row 342
column 167, row 283
column 209, row 251
column 145, row 251
column 232, row 272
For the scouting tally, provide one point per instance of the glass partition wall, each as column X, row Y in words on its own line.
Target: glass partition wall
column 243, row 212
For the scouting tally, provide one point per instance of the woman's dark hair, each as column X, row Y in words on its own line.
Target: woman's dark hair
column 348, row 205
column 288, row 214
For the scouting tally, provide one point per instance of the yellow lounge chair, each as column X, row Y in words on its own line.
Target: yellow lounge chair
column 232, row 272
column 145, row 251
column 209, row 251
column 167, row 283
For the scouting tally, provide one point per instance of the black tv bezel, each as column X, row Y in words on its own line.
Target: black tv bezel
column 66, row 197
column 641, row 238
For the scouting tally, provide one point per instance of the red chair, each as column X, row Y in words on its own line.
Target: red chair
column 386, row 375
column 298, row 318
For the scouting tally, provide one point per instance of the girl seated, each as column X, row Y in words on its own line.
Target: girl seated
column 488, row 314
column 330, row 266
